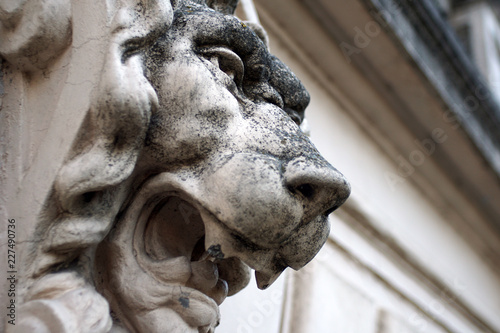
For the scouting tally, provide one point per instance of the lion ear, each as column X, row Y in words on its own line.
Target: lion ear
column 223, row 6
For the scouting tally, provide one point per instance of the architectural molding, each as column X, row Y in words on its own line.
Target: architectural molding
column 355, row 216
column 482, row 122
column 444, row 63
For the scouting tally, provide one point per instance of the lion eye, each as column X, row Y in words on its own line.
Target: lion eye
column 227, row 61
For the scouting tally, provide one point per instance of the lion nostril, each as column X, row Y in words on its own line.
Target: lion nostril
column 321, row 189
column 307, row 190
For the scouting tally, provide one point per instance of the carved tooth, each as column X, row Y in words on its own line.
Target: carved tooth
column 205, row 278
column 265, row 280
column 218, row 242
column 235, row 272
column 219, row 293
column 261, row 260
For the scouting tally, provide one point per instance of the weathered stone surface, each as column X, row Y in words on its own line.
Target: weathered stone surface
column 28, row 26
column 189, row 169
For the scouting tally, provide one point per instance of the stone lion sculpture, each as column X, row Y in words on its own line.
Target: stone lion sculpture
column 190, row 170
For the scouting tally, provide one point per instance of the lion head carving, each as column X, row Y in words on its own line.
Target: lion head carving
column 223, row 181
column 234, row 180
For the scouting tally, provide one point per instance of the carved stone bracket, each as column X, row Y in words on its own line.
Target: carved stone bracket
column 189, row 170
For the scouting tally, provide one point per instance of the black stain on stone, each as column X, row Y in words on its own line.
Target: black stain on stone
column 184, row 302
column 216, row 252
